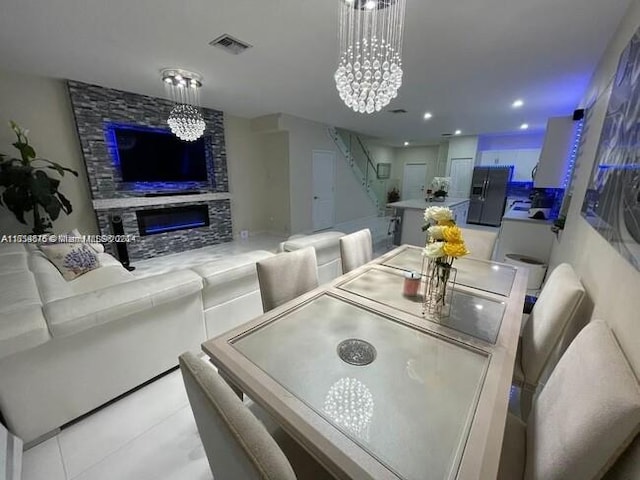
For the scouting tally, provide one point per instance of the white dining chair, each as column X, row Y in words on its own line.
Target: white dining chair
column 547, row 331
column 356, row 249
column 480, row 243
column 237, row 444
column 583, row 418
column 286, row 276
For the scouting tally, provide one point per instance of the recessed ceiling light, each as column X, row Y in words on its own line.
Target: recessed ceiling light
column 406, row 144
column 518, row 103
column 524, row 126
column 428, row 115
column 457, row 132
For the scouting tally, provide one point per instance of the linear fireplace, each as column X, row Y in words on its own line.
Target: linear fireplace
column 160, row 220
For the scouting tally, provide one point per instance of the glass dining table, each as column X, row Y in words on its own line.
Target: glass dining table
column 371, row 387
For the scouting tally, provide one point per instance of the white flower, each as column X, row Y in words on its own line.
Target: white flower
column 438, row 214
column 441, row 183
column 435, row 232
column 434, row 250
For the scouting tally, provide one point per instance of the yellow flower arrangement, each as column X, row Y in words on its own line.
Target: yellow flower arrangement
column 444, row 238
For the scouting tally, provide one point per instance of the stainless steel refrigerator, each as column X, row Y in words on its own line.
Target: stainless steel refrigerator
column 488, row 195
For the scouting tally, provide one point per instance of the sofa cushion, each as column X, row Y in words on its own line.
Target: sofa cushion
column 80, row 312
column 13, row 262
column 231, row 277
column 72, row 259
column 22, row 329
column 326, row 245
column 99, row 278
column 18, row 290
column 49, row 280
column 11, row 248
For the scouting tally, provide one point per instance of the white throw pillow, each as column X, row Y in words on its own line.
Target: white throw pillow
column 72, row 259
column 75, row 233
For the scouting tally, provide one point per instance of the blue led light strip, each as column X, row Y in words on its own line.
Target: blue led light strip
column 170, row 228
column 573, row 155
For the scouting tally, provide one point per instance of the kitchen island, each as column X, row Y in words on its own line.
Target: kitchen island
column 411, row 213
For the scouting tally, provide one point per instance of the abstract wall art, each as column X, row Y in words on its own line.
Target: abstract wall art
column 612, row 201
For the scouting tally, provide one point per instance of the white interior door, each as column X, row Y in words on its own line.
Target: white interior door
column 460, row 173
column 413, row 181
column 324, row 179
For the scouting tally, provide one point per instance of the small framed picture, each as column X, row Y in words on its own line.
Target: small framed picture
column 383, row 170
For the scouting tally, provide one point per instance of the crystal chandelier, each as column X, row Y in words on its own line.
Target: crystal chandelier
column 369, row 72
column 185, row 119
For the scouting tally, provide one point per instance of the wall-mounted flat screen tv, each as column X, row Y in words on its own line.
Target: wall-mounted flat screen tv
column 154, row 155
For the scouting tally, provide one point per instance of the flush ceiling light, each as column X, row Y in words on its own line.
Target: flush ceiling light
column 369, row 70
column 406, row 144
column 185, row 119
column 458, row 132
column 517, row 104
column 524, row 126
column 427, row 116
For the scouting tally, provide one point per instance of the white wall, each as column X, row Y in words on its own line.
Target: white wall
column 42, row 105
column 462, row 147
column 404, row 155
column 611, row 282
column 511, row 142
column 247, row 169
column 277, row 198
column 351, row 200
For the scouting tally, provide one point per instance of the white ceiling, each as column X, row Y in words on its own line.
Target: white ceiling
column 464, row 60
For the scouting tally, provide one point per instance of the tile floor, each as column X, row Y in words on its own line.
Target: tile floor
column 149, row 434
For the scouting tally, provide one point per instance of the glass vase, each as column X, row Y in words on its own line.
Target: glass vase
column 440, row 279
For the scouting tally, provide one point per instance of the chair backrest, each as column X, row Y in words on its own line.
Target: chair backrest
column 356, row 249
column 236, row 443
column 587, row 413
column 287, row 276
column 480, row 243
column 553, row 312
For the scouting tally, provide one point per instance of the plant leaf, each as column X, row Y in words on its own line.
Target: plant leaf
column 66, row 204
column 58, row 168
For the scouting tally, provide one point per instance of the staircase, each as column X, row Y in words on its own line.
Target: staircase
column 362, row 166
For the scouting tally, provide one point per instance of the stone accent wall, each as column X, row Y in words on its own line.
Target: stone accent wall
column 150, row 246
column 96, row 107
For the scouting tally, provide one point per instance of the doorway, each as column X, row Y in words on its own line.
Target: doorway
column 460, row 173
column 413, row 181
column 323, row 189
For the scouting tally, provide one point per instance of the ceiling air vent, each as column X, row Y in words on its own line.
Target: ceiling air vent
column 447, row 134
column 230, row 44
column 397, row 110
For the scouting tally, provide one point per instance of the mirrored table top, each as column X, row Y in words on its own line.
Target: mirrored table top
column 480, row 274
column 410, row 406
column 470, row 314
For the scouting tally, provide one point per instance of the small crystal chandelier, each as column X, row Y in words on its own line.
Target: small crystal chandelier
column 369, row 72
column 185, row 119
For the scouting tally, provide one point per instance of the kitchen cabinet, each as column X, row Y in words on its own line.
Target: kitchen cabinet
column 554, row 157
column 523, row 161
column 459, row 212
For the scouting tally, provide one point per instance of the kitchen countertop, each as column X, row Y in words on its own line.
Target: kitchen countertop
column 420, row 204
column 522, row 215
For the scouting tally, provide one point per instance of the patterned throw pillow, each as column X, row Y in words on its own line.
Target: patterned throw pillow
column 72, row 259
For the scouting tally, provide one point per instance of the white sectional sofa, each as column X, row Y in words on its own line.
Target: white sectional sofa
column 231, row 294
column 327, row 246
column 67, row 347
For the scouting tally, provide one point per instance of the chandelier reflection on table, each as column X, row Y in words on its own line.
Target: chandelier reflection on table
column 369, row 71
column 185, row 119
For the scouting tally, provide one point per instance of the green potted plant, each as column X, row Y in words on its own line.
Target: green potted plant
column 393, row 195
column 27, row 187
